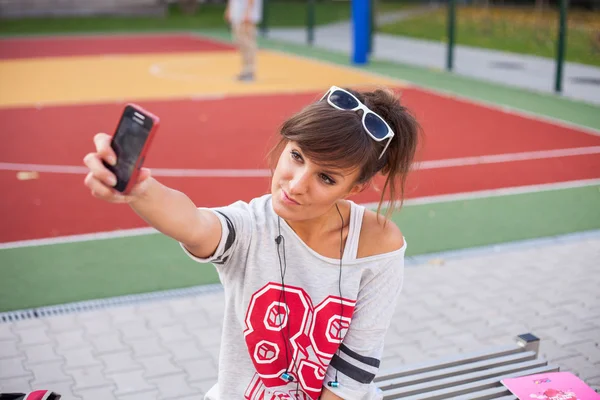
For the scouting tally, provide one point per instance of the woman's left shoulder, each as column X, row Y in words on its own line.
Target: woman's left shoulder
column 378, row 235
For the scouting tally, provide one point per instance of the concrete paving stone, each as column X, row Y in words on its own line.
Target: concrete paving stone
column 561, row 335
column 6, row 332
column 60, row 323
column 119, row 361
column 135, row 329
column 578, row 309
column 404, row 324
column 199, row 370
column 34, row 335
column 69, row 340
column 99, row 393
column 155, row 366
column 28, row 324
column 392, row 338
column 551, row 351
column 205, row 385
column 184, row 350
column 215, row 353
column 13, row 367
column 575, row 324
column 182, row 306
column 89, row 377
column 579, row 365
column 38, row 353
column 123, row 314
column 209, row 336
column 130, row 382
column 422, row 313
column 150, row 346
column 408, row 353
column 427, row 339
column 49, row 373
column 197, row 320
column 108, row 343
column 391, row 362
column 145, row 395
column 174, row 386
column 20, row 384
column 173, row 333
column 443, row 352
column 8, row 348
column 464, row 340
column 97, row 322
column 470, row 305
column 80, row 357
column 158, row 314
column 589, row 350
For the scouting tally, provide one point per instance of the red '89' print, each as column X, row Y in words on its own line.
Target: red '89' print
column 313, row 333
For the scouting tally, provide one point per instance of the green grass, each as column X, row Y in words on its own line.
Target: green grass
column 514, row 30
column 209, row 16
column 46, row 275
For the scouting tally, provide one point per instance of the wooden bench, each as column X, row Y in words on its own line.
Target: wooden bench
column 466, row 376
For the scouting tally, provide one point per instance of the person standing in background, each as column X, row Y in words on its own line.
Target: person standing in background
column 244, row 16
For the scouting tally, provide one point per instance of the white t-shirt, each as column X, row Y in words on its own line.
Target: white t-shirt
column 239, row 9
column 269, row 330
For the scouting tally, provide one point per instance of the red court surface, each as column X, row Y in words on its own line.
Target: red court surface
column 228, row 134
column 106, row 45
column 235, row 132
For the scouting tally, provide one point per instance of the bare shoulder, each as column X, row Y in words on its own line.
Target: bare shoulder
column 378, row 235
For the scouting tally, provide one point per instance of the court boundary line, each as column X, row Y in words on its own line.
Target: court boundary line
column 465, row 196
column 261, row 173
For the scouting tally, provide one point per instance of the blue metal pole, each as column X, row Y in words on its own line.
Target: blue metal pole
column 361, row 19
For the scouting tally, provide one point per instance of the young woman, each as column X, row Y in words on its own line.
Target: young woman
column 311, row 279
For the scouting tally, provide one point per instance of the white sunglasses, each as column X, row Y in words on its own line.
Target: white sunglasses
column 373, row 123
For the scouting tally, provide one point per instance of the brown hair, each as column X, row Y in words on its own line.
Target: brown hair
column 336, row 138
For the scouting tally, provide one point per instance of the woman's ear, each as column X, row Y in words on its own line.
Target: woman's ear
column 357, row 188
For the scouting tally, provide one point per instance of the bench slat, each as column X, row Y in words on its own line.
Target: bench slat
column 447, row 362
column 457, row 370
column 467, row 378
column 486, row 394
column 452, row 391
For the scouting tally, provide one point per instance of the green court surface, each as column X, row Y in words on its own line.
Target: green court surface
column 69, row 272
column 59, row 273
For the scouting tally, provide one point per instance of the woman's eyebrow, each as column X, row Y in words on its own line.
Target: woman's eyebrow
column 328, row 172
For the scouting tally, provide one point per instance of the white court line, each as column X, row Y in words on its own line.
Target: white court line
column 260, row 173
column 410, row 202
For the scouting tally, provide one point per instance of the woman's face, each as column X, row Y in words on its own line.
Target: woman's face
column 303, row 190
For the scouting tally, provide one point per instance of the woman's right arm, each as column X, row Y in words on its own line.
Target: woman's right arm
column 169, row 211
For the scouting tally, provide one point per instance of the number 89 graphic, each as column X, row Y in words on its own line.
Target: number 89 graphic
column 313, row 334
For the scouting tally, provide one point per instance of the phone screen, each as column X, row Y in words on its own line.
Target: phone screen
column 128, row 143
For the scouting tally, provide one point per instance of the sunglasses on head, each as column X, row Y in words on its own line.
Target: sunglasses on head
column 374, row 125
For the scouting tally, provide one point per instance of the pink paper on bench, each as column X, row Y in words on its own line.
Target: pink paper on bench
column 550, row 386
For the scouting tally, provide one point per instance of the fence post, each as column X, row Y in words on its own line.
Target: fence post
column 263, row 21
column 372, row 25
column 451, row 33
column 310, row 19
column 561, row 43
column 360, row 27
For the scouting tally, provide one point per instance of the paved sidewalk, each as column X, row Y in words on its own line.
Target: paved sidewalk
column 581, row 82
column 168, row 349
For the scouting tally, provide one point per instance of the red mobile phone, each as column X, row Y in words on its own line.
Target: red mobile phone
column 131, row 141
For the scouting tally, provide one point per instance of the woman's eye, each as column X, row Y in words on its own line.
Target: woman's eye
column 296, row 156
column 327, row 179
